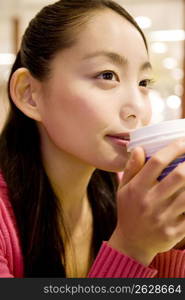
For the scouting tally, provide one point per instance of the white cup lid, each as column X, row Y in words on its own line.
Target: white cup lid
column 167, row 130
column 165, row 127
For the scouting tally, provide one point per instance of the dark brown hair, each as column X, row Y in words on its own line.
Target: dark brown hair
column 36, row 207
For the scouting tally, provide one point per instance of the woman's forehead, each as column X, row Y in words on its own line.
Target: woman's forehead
column 106, row 35
column 106, row 30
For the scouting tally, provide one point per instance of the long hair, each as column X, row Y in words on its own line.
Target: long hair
column 36, row 207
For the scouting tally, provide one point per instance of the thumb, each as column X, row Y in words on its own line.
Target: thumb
column 133, row 166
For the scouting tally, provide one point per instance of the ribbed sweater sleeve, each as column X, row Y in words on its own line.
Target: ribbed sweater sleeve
column 111, row 263
column 170, row 264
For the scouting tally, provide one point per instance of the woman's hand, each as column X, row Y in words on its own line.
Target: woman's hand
column 150, row 213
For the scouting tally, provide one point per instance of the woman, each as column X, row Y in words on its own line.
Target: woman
column 78, row 86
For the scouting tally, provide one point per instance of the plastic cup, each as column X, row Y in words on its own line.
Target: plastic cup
column 154, row 137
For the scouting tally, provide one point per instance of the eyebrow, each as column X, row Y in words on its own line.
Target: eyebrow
column 117, row 59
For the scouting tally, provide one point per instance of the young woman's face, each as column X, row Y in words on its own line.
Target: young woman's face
column 98, row 89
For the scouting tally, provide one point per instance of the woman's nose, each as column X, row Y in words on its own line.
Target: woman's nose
column 135, row 110
column 130, row 119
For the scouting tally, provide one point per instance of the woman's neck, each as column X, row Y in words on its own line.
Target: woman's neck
column 69, row 178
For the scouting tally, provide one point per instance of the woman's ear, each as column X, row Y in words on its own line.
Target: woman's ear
column 23, row 92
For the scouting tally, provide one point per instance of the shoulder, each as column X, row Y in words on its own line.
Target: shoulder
column 7, row 219
column 11, row 260
column 6, row 210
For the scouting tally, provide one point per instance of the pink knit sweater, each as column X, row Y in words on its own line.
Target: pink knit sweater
column 108, row 263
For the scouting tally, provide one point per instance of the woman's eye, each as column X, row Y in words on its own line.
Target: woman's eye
column 108, row 75
column 146, row 83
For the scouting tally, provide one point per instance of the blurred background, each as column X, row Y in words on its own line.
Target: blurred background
column 163, row 22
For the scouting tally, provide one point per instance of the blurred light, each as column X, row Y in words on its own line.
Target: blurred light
column 6, row 58
column 143, row 22
column 167, row 35
column 6, row 69
column 177, row 73
column 169, row 62
column 178, row 89
column 173, row 102
column 159, row 47
column 156, row 101
column 157, row 105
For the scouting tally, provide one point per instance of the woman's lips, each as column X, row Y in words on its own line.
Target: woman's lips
column 118, row 140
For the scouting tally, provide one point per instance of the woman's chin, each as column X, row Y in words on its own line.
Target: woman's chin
column 116, row 168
